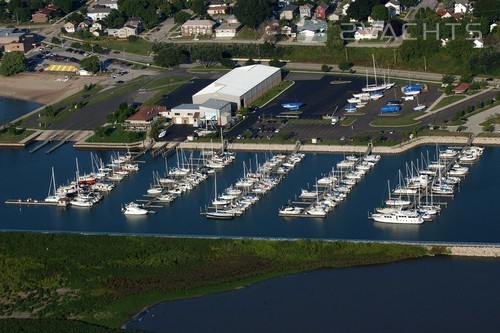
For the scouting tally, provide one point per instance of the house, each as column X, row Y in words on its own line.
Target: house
column 493, row 26
column 134, row 22
column 197, row 27
column 394, row 7
column 272, row 28
column 478, row 43
column 289, row 30
column 312, row 31
column 217, row 7
column 378, row 25
column 444, row 13
column 113, row 4
column 43, row 15
column 321, row 11
column 70, row 26
column 345, row 8
column 84, row 26
column 289, row 12
column 306, row 10
column 335, row 16
column 366, row 33
column 98, row 12
column 460, row 9
column 143, row 118
column 231, row 19
column 97, row 26
column 461, row 88
column 227, row 30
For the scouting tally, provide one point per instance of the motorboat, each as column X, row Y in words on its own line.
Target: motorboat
column 290, row 210
column 399, row 217
column 134, row 209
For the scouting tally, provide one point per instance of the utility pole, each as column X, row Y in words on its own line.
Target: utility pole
column 425, row 63
column 346, row 55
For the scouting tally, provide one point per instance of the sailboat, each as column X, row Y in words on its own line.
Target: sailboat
column 419, row 107
column 376, row 86
column 52, row 195
column 218, row 214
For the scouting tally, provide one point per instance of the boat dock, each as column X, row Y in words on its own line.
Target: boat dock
column 43, row 144
column 62, row 142
column 29, row 202
column 334, row 189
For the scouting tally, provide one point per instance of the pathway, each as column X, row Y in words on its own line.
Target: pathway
column 473, row 122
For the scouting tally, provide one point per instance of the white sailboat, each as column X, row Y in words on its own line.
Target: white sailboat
column 376, row 86
column 218, row 214
column 419, row 107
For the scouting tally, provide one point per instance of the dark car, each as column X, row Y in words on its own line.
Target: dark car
column 120, row 81
column 69, row 50
column 116, row 52
column 85, row 96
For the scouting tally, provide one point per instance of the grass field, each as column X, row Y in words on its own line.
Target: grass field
column 406, row 120
column 166, row 81
column 7, row 136
column 140, row 46
column 103, row 279
column 116, row 134
column 447, row 100
column 247, row 33
column 262, row 100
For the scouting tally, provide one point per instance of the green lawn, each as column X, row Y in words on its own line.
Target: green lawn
column 116, row 134
column 247, row 33
column 448, row 100
column 140, row 46
column 10, row 137
column 397, row 120
column 104, row 279
column 166, row 81
column 262, row 100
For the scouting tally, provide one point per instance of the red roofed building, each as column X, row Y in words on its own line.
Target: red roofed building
column 144, row 118
column 321, row 11
column 461, row 88
column 43, row 15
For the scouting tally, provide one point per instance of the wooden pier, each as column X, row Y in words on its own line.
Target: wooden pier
column 29, row 202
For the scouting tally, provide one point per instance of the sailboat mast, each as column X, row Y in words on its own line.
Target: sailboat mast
column 374, row 69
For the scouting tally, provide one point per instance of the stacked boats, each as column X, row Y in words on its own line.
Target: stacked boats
column 331, row 189
column 411, row 202
column 248, row 190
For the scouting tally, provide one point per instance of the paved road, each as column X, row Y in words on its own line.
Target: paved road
column 473, row 122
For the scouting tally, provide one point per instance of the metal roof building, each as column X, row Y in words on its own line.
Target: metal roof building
column 241, row 86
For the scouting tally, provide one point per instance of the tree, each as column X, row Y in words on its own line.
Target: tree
column 448, row 79
column 168, row 55
column 460, row 48
column 48, row 111
column 181, row 17
column 12, row 63
column 115, row 19
column 252, row 12
column 487, row 9
column 275, row 63
column 199, row 7
column 90, row 64
column 344, row 66
column 361, row 9
column 55, row 40
column 132, row 38
column 379, row 12
column 207, row 54
column 334, row 41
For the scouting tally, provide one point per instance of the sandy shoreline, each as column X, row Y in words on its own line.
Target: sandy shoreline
column 42, row 87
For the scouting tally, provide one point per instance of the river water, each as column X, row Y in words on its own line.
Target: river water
column 439, row 294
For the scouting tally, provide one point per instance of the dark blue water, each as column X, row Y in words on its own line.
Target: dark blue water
column 472, row 216
column 11, row 109
column 425, row 295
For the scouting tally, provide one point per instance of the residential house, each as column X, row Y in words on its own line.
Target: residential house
column 366, row 33
column 217, row 7
column 231, row 19
column 70, row 26
column 460, row 9
column 144, row 118
column 306, row 10
column 394, row 7
column 43, row 15
column 197, row 27
column 227, row 30
column 289, row 12
column 478, row 43
column 321, row 11
column 345, row 8
column 493, row 26
column 98, row 12
column 378, row 25
column 447, row 14
column 335, row 16
column 289, row 30
column 135, row 22
column 113, row 4
column 461, row 88
column 84, row 25
column 127, row 31
column 97, row 27
column 312, row 31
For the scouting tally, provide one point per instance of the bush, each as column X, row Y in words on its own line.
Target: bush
column 249, row 62
column 228, row 63
column 132, row 39
column 275, row 63
column 325, row 68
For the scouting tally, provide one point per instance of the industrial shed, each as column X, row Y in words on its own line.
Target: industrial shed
column 241, row 86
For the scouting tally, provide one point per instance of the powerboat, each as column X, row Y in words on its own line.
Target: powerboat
column 134, row 209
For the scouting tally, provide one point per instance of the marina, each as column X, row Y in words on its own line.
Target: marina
column 409, row 202
column 182, row 216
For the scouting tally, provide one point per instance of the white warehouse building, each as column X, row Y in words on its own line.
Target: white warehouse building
column 241, row 86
